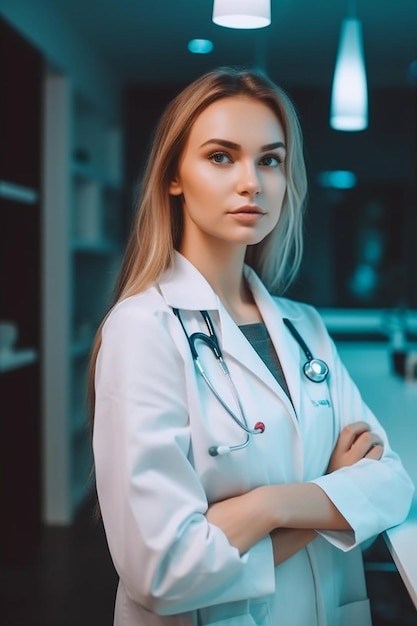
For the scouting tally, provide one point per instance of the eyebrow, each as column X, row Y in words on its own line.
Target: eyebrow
column 235, row 146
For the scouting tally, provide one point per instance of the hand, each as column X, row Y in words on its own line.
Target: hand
column 356, row 442
column 288, row 541
column 244, row 519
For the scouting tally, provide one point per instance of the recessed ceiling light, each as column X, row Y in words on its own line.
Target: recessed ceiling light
column 200, row 46
column 337, row 179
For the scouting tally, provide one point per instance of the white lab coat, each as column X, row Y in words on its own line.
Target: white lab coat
column 154, row 422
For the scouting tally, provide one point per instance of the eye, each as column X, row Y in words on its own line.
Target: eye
column 220, row 158
column 271, row 160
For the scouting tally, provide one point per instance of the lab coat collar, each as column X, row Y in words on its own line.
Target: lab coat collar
column 184, row 287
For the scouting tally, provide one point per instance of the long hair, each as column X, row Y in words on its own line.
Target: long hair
column 157, row 228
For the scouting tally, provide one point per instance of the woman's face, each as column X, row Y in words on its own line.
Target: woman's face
column 232, row 174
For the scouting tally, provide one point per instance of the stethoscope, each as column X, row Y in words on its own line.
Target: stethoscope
column 314, row 369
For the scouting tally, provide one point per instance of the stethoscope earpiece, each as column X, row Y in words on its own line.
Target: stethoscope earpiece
column 219, row 450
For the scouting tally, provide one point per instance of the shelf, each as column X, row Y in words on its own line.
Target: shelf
column 18, row 193
column 81, row 348
column 80, row 493
column 89, row 173
column 82, row 469
column 16, row 359
column 101, row 247
column 80, row 428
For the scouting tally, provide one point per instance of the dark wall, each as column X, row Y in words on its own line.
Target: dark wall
column 21, row 69
column 142, row 108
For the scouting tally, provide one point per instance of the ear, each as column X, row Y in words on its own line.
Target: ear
column 175, row 188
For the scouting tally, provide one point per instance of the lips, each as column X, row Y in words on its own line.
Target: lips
column 249, row 209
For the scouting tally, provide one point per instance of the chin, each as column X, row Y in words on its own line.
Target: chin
column 255, row 238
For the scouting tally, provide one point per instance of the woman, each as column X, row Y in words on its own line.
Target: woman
column 206, row 523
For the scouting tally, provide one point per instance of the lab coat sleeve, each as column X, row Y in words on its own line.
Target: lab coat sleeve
column 371, row 495
column 169, row 558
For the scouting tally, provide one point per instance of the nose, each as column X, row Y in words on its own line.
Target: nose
column 249, row 183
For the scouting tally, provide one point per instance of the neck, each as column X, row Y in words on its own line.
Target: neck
column 222, row 267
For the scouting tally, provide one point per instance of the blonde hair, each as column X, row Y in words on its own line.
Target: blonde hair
column 157, row 229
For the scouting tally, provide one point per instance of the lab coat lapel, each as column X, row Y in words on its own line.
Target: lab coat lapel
column 235, row 344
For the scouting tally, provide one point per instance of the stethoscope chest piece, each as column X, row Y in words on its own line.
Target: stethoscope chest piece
column 316, row 370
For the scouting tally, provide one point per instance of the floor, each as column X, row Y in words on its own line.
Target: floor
column 70, row 581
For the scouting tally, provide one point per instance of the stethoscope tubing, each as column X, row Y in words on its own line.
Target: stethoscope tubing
column 213, row 344
column 242, row 423
column 314, row 369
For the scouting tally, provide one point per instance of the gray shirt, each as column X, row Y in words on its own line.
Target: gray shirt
column 259, row 338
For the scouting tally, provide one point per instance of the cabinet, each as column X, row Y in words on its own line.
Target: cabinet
column 82, row 241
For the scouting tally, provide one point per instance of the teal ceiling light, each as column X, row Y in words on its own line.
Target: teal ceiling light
column 200, row 46
column 242, row 13
column 349, row 98
column 337, row 179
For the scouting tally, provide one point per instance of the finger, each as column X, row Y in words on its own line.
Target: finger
column 351, row 432
column 375, row 453
column 365, row 442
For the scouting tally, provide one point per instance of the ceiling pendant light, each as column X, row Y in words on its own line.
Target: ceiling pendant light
column 349, row 98
column 242, row 13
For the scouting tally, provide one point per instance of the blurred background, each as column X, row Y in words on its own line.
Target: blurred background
column 82, row 86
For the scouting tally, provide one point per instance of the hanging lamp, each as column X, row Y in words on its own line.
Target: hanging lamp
column 349, row 98
column 242, row 13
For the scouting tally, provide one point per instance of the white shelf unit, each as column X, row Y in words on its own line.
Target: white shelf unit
column 81, row 254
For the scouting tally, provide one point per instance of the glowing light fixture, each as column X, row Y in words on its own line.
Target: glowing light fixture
column 337, row 179
column 242, row 13
column 200, row 46
column 349, row 99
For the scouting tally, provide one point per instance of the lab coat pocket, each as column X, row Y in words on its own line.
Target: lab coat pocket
column 357, row 613
column 258, row 615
